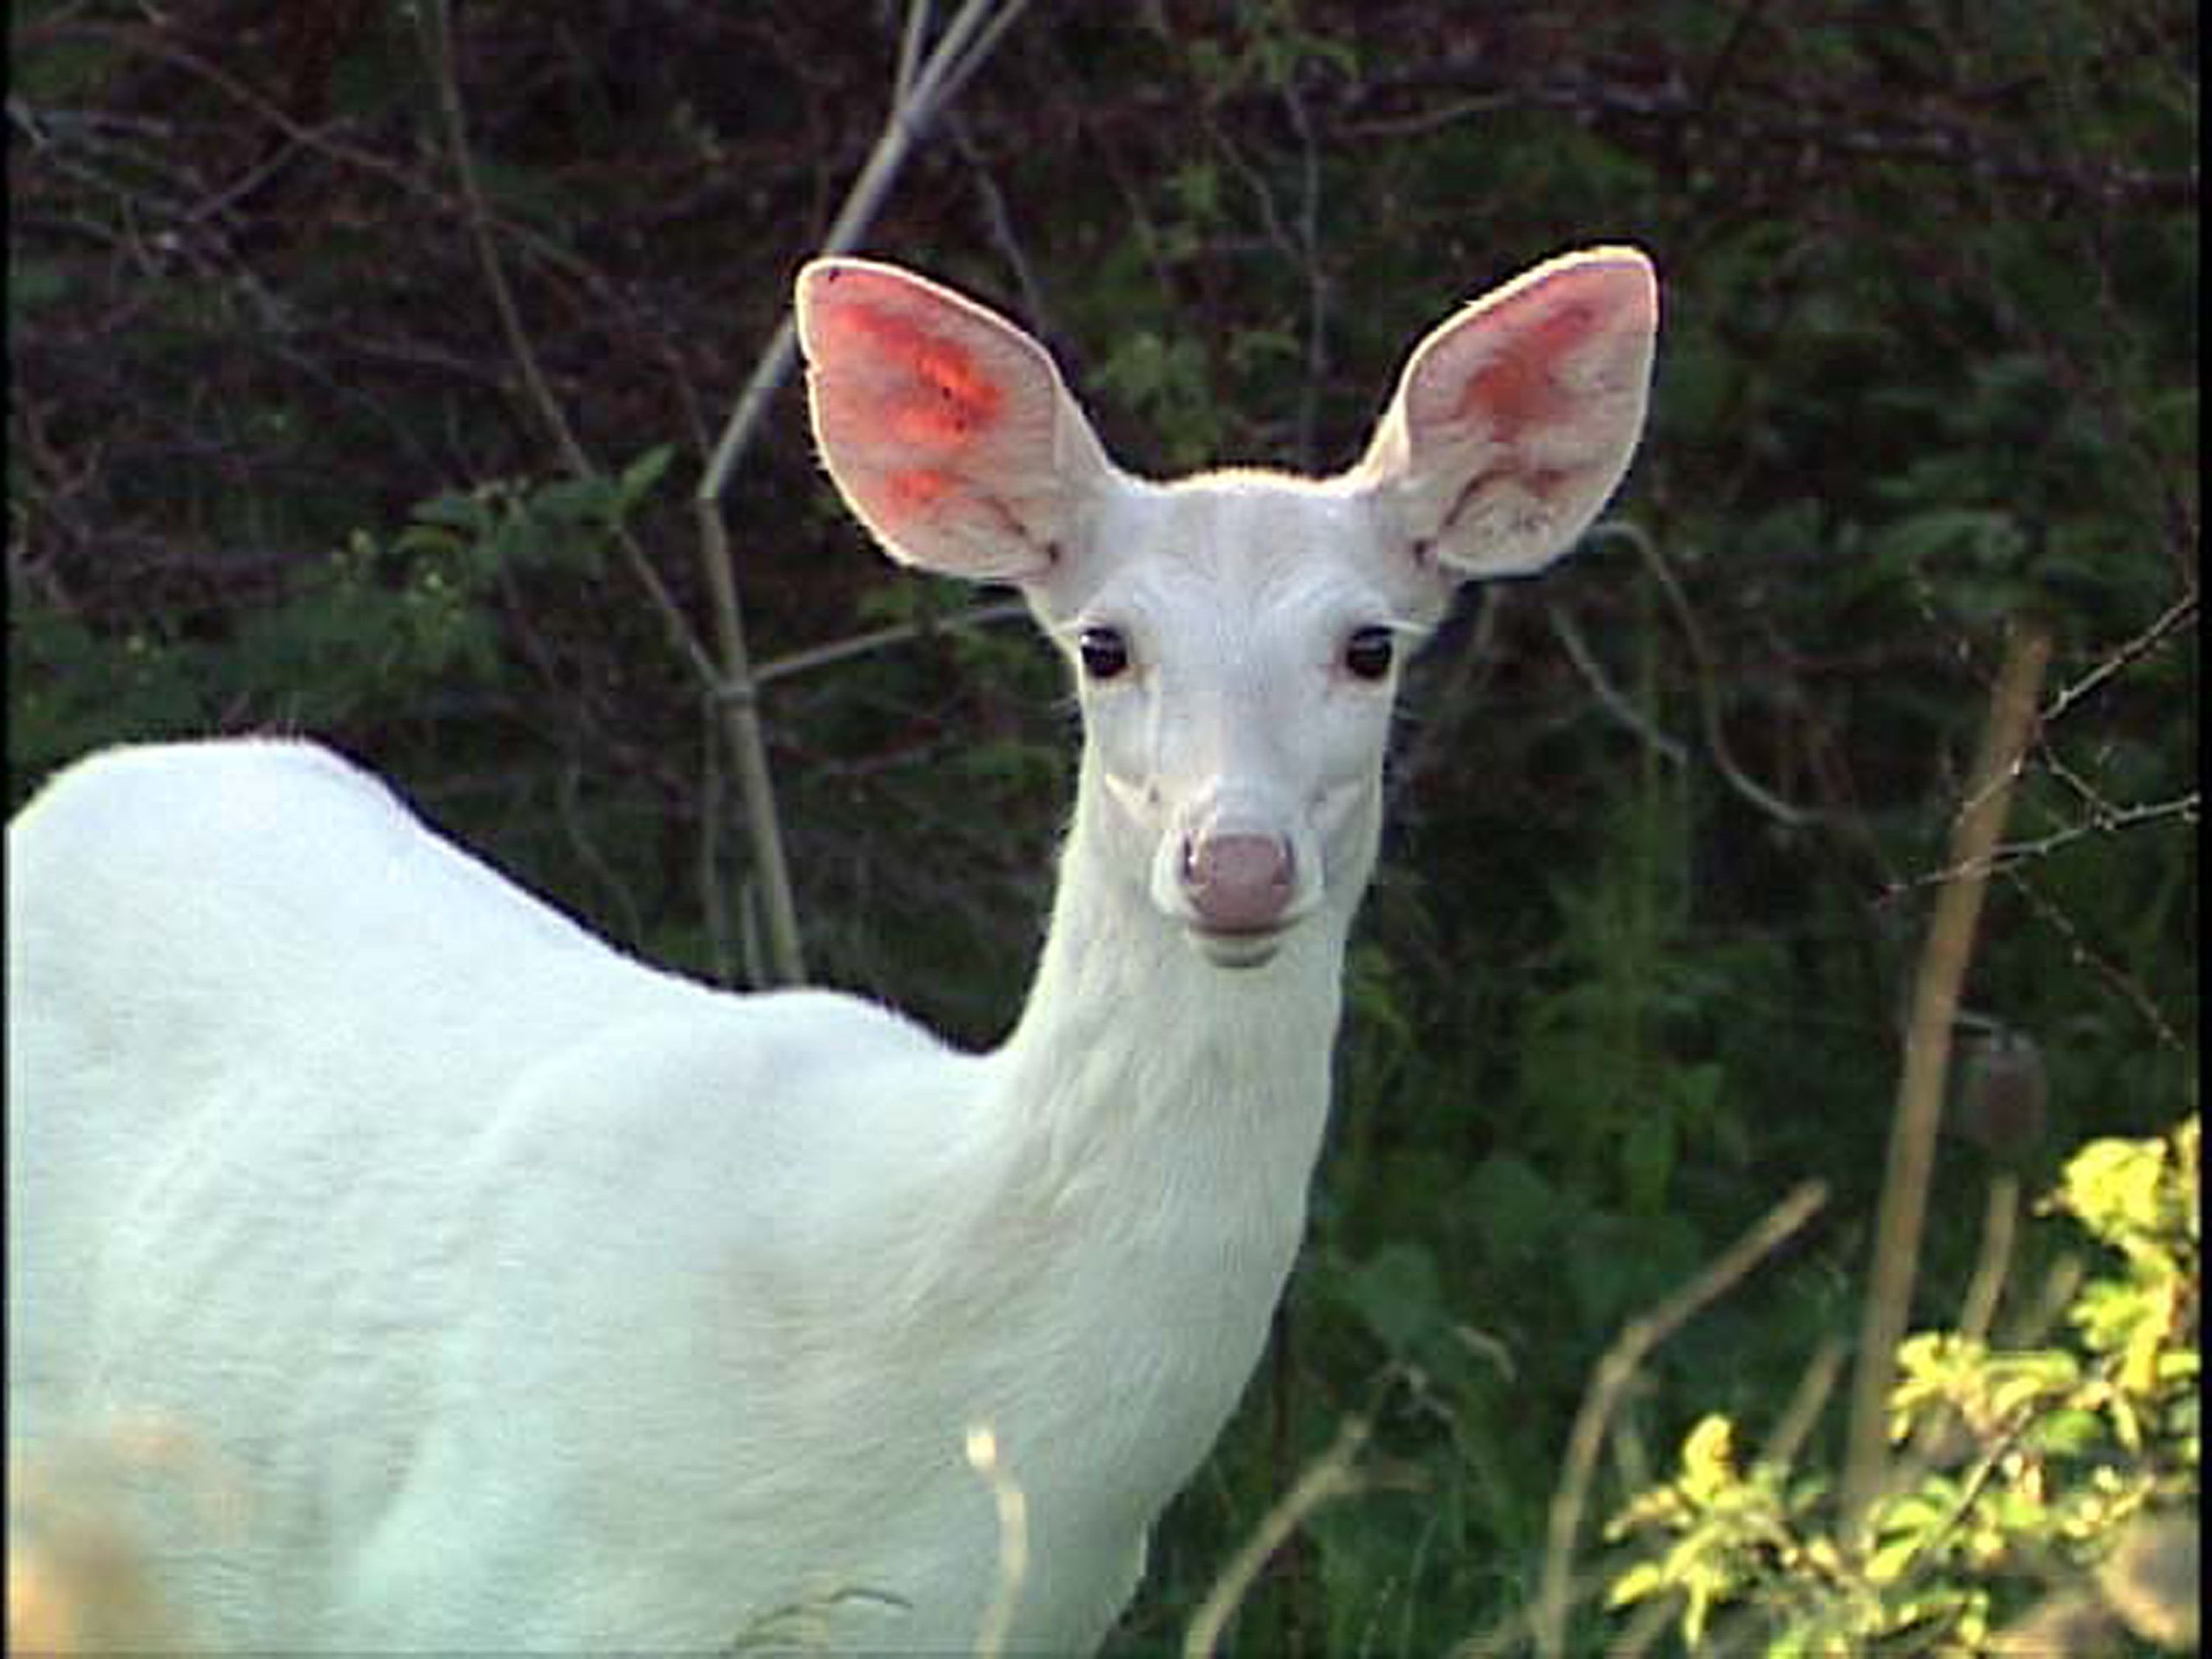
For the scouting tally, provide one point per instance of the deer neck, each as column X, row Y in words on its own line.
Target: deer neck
column 1136, row 1057
column 1155, row 1120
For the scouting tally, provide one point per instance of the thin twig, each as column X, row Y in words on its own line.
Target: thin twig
column 567, row 787
column 1993, row 1263
column 1615, row 1371
column 966, row 56
column 736, row 702
column 714, row 897
column 2029, row 1326
column 1610, row 697
column 879, row 638
column 921, row 86
column 1942, row 972
column 1506, row 1636
column 911, row 36
column 438, row 47
column 2006, row 856
column 1807, row 1401
column 740, row 719
column 437, row 41
column 1709, row 711
column 999, row 220
column 1309, row 242
column 909, row 118
column 1333, row 1475
column 2181, row 809
column 1978, row 1311
column 2176, row 616
column 2088, row 957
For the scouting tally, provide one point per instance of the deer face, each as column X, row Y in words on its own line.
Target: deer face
column 1236, row 641
column 1236, row 635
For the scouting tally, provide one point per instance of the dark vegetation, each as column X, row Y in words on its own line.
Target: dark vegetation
column 1668, row 824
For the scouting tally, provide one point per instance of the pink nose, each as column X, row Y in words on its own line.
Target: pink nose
column 1238, row 883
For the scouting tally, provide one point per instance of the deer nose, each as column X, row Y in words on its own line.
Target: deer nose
column 1238, row 883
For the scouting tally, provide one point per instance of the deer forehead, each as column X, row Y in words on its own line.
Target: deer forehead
column 1239, row 555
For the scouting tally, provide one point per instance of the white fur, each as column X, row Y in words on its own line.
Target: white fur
column 513, row 1294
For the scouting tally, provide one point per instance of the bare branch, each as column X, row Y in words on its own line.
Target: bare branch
column 2086, row 956
column 918, row 94
column 1614, row 1371
column 1334, row 1474
column 2177, row 616
column 438, row 47
column 879, row 638
column 1717, row 745
column 1610, row 697
column 2105, row 819
column 1927, row 1055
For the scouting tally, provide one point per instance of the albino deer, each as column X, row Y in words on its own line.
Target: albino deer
column 529, row 1297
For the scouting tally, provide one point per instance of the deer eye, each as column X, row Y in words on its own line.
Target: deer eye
column 1104, row 652
column 1368, row 653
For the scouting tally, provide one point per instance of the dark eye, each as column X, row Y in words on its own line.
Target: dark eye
column 1368, row 653
column 1104, row 651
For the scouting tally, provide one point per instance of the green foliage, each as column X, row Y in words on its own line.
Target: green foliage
column 2027, row 1464
column 1618, row 1065
column 365, row 624
column 1274, row 44
column 1165, row 380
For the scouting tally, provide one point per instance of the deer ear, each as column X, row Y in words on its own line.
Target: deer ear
column 946, row 429
column 1515, row 420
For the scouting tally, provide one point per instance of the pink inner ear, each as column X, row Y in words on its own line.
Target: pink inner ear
column 914, row 490
column 889, row 382
column 1520, row 388
column 932, row 392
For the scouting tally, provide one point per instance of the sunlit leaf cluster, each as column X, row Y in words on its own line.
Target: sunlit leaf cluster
column 2021, row 1467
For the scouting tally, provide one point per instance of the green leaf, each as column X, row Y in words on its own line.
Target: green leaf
column 1515, row 1209
column 640, row 476
column 457, row 510
column 1398, row 1293
column 576, row 500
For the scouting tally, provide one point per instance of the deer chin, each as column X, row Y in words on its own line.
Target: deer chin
column 1236, row 951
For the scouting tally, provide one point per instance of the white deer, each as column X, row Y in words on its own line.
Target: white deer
column 529, row 1297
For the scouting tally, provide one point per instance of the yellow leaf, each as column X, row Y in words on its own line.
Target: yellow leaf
column 1640, row 1580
